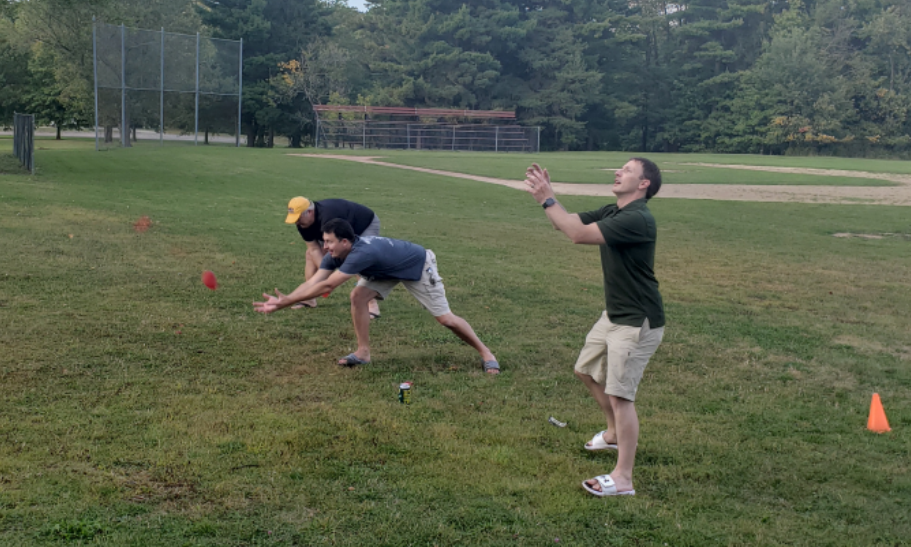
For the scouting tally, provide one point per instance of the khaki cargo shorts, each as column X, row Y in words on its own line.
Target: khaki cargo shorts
column 428, row 290
column 615, row 355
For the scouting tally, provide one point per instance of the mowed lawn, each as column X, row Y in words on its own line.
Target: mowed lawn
column 138, row 407
column 598, row 167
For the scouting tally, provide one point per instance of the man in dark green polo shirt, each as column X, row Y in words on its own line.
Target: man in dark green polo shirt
column 621, row 343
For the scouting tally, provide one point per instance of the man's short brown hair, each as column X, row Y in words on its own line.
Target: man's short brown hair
column 651, row 173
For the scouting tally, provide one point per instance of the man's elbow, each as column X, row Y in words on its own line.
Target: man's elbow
column 577, row 238
column 582, row 238
column 327, row 286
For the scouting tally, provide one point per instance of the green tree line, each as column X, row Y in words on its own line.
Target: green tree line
column 739, row 76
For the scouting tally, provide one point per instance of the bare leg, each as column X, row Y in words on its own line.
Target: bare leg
column 603, row 399
column 360, row 316
column 314, row 258
column 373, row 306
column 627, row 422
column 463, row 330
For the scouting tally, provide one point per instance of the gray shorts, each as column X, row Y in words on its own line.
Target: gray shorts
column 428, row 290
column 373, row 229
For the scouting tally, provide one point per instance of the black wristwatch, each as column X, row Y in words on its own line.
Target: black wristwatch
column 549, row 202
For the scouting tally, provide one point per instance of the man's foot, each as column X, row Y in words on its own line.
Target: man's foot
column 605, row 485
column 489, row 362
column 601, row 442
column 352, row 360
column 304, row 304
column 491, row 366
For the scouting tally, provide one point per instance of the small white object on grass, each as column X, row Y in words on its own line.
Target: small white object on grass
column 556, row 422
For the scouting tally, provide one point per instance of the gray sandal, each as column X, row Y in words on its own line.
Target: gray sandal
column 491, row 365
column 352, row 360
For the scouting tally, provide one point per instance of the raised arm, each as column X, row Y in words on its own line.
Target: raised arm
column 537, row 182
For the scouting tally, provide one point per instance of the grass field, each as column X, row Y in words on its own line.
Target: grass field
column 595, row 167
column 139, row 408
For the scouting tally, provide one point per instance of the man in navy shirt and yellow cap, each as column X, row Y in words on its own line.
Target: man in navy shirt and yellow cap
column 309, row 217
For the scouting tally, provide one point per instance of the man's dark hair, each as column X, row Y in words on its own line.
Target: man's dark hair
column 651, row 173
column 340, row 228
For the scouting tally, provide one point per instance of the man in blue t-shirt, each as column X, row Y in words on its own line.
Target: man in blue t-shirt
column 309, row 217
column 382, row 263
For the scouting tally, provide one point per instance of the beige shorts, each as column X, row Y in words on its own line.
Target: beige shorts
column 615, row 355
column 428, row 289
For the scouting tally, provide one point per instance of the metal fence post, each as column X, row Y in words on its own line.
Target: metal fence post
column 124, row 132
column 317, row 129
column 95, row 74
column 453, row 138
column 161, row 104
column 31, row 143
column 408, row 133
column 240, row 86
column 364, row 139
column 196, row 110
column 496, row 139
column 538, row 149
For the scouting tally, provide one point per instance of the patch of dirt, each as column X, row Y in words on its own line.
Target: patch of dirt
column 871, row 236
column 872, row 347
column 143, row 224
column 891, row 177
column 856, row 195
column 861, row 236
column 139, row 486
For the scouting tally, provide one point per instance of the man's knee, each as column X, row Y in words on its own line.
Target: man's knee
column 619, row 403
column 450, row 321
column 314, row 256
column 361, row 295
column 582, row 376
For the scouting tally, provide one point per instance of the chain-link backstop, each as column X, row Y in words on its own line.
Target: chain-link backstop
column 165, row 87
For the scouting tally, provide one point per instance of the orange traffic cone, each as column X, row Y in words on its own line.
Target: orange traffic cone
column 877, row 421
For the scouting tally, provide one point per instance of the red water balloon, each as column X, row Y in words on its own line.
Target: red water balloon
column 208, row 279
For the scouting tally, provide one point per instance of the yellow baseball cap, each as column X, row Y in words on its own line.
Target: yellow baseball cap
column 295, row 207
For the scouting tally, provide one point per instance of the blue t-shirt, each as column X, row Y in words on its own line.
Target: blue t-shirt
column 378, row 258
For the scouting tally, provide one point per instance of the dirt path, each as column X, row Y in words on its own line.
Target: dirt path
column 892, row 195
column 891, row 177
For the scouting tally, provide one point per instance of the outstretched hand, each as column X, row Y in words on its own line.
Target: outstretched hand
column 537, row 182
column 272, row 303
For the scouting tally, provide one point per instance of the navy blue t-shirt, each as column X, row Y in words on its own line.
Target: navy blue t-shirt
column 379, row 258
column 357, row 215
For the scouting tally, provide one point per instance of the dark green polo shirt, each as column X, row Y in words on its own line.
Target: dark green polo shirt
column 628, row 260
